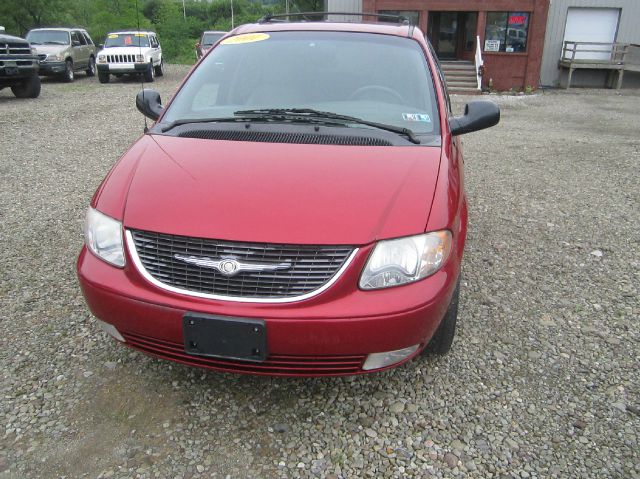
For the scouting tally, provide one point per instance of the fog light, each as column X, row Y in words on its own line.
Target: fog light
column 382, row 360
column 111, row 330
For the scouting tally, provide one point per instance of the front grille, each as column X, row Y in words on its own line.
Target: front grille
column 277, row 365
column 121, row 58
column 309, row 267
column 280, row 137
column 15, row 48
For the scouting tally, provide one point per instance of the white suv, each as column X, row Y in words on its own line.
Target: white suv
column 130, row 52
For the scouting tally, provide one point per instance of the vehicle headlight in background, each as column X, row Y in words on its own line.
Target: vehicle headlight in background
column 56, row 57
column 102, row 59
column 405, row 260
column 140, row 58
column 103, row 236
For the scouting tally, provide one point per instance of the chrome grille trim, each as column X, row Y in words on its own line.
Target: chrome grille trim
column 131, row 246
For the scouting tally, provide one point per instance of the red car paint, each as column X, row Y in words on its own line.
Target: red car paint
column 339, row 195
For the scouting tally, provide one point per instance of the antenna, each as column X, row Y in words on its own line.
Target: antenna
column 146, row 127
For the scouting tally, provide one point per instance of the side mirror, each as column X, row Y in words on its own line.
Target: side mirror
column 76, row 43
column 149, row 103
column 101, row 45
column 478, row 115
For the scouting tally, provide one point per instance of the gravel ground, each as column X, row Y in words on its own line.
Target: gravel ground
column 543, row 380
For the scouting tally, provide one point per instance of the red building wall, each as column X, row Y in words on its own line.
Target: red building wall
column 507, row 70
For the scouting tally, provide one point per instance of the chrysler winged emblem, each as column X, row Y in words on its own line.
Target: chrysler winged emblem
column 231, row 266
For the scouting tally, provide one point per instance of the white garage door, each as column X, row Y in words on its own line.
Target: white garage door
column 592, row 25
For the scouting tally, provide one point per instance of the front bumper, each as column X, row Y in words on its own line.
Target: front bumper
column 329, row 334
column 15, row 68
column 123, row 67
column 52, row 68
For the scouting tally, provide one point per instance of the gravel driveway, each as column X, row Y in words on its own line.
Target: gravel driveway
column 543, row 380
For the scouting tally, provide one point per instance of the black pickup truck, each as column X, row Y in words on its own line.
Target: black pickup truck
column 18, row 67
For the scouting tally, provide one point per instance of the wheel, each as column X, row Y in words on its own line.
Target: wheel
column 159, row 70
column 375, row 92
column 30, row 88
column 68, row 75
column 443, row 338
column 103, row 77
column 149, row 75
column 91, row 70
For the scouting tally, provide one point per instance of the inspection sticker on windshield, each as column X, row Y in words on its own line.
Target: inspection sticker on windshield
column 416, row 117
column 246, row 38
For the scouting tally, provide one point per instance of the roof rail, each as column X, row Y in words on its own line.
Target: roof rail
column 284, row 17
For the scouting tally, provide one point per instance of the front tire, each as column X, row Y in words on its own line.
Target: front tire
column 160, row 69
column 443, row 338
column 103, row 77
column 91, row 71
column 149, row 74
column 30, row 88
column 68, row 75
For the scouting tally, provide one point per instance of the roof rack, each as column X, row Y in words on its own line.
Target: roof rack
column 285, row 17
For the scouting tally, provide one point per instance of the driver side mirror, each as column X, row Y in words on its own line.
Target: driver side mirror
column 149, row 103
column 478, row 115
column 75, row 43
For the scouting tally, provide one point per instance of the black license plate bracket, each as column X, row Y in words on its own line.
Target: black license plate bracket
column 223, row 337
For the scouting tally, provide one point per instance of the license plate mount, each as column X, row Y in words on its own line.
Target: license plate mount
column 243, row 339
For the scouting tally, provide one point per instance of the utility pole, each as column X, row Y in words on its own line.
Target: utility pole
column 286, row 6
column 184, row 11
column 232, row 25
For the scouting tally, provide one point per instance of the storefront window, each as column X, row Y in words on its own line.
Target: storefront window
column 506, row 32
column 412, row 15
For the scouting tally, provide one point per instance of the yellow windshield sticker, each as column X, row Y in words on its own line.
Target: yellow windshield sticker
column 140, row 35
column 113, row 36
column 246, row 38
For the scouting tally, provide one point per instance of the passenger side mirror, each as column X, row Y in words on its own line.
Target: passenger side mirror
column 149, row 103
column 478, row 115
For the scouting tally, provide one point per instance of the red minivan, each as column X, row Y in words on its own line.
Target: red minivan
column 298, row 208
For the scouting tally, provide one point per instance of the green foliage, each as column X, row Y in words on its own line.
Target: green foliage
column 178, row 33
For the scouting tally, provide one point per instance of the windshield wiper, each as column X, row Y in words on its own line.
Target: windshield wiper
column 311, row 114
column 245, row 119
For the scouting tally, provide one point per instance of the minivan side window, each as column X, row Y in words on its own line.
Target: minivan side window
column 75, row 37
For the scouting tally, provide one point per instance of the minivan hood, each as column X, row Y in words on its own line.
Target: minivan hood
column 280, row 193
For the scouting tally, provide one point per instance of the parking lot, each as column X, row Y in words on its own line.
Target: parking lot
column 543, row 380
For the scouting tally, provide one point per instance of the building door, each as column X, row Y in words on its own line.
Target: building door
column 592, row 25
column 452, row 34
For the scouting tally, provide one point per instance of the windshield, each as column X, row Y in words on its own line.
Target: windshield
column 209, row 39
column 126, row 40
column 50, row 37
column 378, row 78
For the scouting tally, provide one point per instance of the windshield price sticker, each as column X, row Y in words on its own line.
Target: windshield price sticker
column 246, row 38
column 416, row 117
column 113, row 36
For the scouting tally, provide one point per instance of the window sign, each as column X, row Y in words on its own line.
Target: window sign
column 509, row 29
column 492, row 45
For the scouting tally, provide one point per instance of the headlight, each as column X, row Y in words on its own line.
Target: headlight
column 140, row 58
column 56, row 58
column 102, row 59
column 405, row 260
column 103, row 236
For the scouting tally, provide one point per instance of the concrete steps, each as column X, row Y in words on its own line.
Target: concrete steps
column 460, row 77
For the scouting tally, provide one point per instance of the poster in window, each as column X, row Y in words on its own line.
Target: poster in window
column 492, row 45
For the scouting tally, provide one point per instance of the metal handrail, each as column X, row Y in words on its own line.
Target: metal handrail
column 479, row 63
